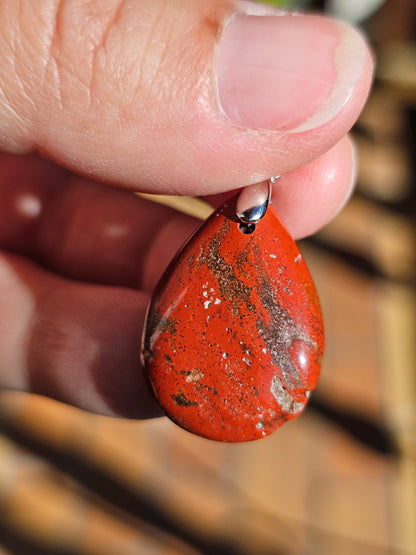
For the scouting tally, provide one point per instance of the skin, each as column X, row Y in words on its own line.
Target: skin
column 79, row 254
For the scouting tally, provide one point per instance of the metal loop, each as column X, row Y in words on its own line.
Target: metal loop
column 253, row 201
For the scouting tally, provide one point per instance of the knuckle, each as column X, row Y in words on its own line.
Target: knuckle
column 112, row 60
column 110, row 57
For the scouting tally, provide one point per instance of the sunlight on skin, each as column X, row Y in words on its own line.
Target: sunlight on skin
column 19, row 303
column 116, row 230
column 28, row 205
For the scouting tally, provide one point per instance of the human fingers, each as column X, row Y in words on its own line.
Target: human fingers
column 194, row 97
column 80, row 342
column 75, row 342
column 308, row 197
column 81, row 230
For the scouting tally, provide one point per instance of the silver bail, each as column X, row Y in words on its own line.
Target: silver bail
column 253, row 202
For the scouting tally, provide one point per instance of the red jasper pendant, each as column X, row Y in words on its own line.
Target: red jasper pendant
column 234, row 335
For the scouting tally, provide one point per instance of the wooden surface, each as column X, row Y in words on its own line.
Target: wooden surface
column 341, row 479
column 327, row 483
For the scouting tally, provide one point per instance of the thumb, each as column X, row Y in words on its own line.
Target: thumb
column 185, row 96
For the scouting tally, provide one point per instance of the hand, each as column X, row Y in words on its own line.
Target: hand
column 184, row 97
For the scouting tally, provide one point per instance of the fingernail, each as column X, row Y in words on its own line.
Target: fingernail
column 286, row 72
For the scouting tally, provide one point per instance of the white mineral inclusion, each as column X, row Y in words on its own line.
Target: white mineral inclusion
column 283, row 397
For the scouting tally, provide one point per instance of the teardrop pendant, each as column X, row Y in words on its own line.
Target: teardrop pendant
column 234, row 335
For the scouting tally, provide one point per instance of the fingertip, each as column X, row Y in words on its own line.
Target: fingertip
column 309, row 197
column 346, row 194
column 78, row 343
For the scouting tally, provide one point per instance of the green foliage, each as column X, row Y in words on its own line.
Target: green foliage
column 290, row 4
column 280, row 3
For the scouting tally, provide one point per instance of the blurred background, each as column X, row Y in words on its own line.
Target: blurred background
column 339, row 480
